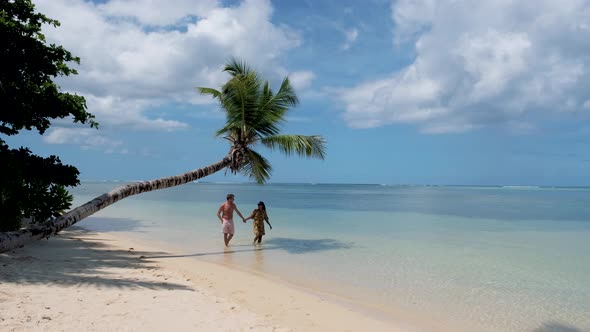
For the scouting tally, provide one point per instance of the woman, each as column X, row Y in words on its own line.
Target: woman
column 259, row 215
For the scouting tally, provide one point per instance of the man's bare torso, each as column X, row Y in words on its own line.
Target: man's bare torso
column 228, row 210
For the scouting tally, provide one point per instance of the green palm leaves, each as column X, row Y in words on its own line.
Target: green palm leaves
column 254, row 114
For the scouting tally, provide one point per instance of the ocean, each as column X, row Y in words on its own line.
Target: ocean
column 492, row 258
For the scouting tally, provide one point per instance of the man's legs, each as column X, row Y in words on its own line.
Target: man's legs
column 228, row 231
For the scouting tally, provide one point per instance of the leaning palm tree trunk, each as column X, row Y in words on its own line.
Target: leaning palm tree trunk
column 16, row 239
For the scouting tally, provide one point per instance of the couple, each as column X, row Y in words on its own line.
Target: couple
column 226, row 213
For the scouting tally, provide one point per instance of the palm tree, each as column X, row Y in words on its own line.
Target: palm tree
column 254, row 114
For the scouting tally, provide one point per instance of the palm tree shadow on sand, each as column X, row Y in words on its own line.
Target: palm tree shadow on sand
column 289, row 245
column 556, row 327
column 304, row 246
column 81, row 258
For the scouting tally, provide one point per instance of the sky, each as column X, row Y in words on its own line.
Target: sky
column 405, row 92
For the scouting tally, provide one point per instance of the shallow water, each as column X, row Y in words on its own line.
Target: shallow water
column 495, row 258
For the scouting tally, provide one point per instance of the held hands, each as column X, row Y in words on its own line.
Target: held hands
column 244, row 220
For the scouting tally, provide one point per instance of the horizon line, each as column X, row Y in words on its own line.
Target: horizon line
column 515, row 186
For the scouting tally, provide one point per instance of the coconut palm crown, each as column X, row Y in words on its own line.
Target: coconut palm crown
column 254, row 115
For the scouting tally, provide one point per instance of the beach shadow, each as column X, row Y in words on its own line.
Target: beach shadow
column 556, row 327
column 74, row 259
column 110, row 224
column 290, row 245
column 305, row 246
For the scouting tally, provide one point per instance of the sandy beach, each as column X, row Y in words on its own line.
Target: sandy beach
column 89, row 281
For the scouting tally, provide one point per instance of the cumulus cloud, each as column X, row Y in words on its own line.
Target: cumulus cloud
column 158, row 12
column 140, row 54
column 479, row 65
column 85, row 137
column 117, row 111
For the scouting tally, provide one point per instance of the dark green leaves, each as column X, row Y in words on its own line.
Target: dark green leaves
column 29, row 97
column 254, row 114
column 303, row 146
column 257, row 167
column 32, row 186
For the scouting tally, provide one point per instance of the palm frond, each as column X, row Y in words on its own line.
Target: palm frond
column 236, row 67
column 240, row 103
column 304, row 146
column 254, row 114
column 273, row 107
column 288, row 92
column 210, row 91
column 282, row 100
column 257, row 167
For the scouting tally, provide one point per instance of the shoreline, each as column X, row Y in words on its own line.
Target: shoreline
column 354, row 314
column 76, row 280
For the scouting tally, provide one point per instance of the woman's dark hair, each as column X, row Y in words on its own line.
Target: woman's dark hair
column 262, row 204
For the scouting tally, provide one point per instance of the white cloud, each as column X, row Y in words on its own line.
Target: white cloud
column 412, row 17
column 85, row 137
column 121, row 112
column 351, row 37
column 476, row 66
column 158, row 12
column 492, row 59
column 301, row 79
column 140, row 54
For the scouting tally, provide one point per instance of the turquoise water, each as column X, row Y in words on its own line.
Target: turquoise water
column 491, row 258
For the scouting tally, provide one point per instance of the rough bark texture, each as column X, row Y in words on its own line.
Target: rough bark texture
column 16, row 239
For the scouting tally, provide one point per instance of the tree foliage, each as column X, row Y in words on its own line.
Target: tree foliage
column 33, row 186
column 254, row 114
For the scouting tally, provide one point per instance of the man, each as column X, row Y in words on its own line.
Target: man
column 226, row 216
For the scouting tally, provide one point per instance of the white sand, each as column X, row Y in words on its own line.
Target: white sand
column 85, row 281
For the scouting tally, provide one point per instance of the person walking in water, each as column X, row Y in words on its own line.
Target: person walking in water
column 226, row 216
column 259, row 215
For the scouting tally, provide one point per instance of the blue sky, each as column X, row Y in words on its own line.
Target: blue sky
column 405, row 92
